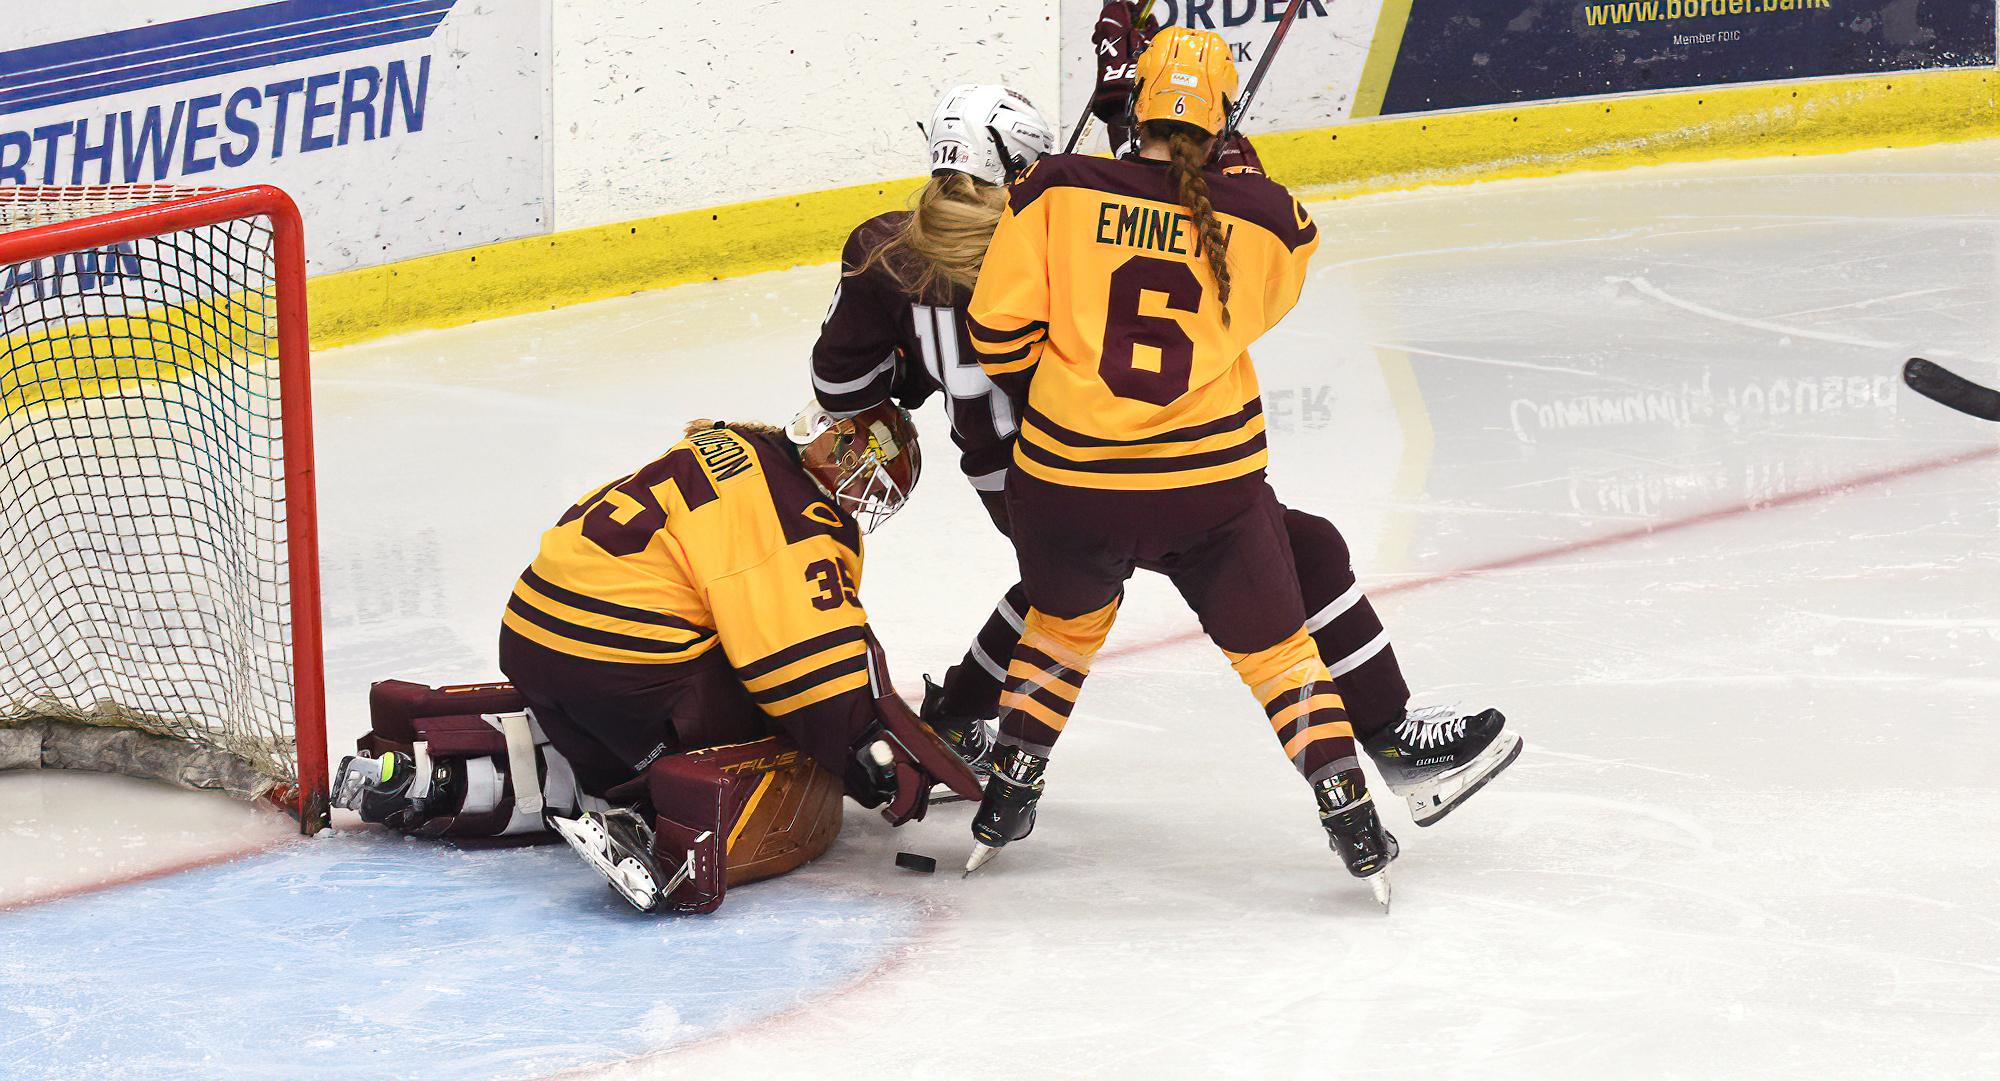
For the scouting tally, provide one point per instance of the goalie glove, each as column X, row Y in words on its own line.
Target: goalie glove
column 902, row 757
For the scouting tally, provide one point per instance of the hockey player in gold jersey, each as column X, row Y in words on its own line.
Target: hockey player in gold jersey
column 1118, row 300
column 710, row 598
column 897, row 329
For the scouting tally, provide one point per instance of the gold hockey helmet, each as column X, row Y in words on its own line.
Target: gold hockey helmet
column 1186, row 75
column 868, row 462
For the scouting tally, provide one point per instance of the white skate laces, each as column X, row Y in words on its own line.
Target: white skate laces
column 1430, row 726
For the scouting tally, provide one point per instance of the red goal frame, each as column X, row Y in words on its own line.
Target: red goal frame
column 309, row 798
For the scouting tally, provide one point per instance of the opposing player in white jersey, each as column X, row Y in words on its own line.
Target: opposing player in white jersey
column 897, row 330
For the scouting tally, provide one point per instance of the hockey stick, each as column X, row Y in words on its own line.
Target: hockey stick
column 1952, row 389
column 1076, row 134
column 1257, row 76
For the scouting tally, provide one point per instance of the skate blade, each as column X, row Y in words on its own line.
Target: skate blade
column 980, row 854
column 636, row 885
column 1431, row 802
column 1378, row 884
column 629, row 879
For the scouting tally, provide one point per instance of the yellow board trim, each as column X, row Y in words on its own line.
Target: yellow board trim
column 1826, row 116
column 553, row 270
column 1829, row 116
column 1381, row 62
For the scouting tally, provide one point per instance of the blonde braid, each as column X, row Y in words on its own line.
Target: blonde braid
column 1184, row 175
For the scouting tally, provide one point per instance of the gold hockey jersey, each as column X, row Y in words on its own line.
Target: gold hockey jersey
column 724, row 539
column 1096, row 300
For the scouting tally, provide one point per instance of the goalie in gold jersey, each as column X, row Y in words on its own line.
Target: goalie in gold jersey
column 1116, row 302
column 710, row 599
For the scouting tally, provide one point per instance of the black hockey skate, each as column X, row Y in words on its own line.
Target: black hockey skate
column 1008, row 811
column 1354, row 832
column 389, row 791
column 970, row 738
column 618, row 844
column 1436, row 759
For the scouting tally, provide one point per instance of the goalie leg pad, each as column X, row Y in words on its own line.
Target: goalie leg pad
column 481, row 764
column 737, row 814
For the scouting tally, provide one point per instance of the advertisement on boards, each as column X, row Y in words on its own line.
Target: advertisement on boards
column 401, row 127
column 1311, row 82
column 1461, row 53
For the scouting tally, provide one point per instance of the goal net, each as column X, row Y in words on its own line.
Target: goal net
column 158, row 573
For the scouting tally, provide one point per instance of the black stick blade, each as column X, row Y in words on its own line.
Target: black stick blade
column 1949, row 388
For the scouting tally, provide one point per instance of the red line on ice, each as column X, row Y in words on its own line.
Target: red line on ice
column 1786, row 500
column 160, row 871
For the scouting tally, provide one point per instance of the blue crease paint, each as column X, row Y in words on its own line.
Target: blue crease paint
column 367, row 956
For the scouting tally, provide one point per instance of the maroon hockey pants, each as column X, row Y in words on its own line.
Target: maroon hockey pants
column 612, row 721
column 1350, row 637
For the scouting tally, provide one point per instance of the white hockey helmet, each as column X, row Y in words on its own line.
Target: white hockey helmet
column 989, row 133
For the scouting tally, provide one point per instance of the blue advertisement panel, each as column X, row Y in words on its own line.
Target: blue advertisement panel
column 1462, row 53
column 401, row 127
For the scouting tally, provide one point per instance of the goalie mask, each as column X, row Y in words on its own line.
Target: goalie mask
column 989, row 133
column 867, row 462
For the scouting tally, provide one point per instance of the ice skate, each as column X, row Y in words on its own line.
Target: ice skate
column 969, row 738
column 619, row 845
column 1436, row 759
column 1008, row 811
column 1354, row 832
column 389, row 790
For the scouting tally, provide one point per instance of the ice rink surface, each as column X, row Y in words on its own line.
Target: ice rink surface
column 1623, row 454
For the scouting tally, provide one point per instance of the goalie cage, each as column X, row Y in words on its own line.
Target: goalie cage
column 159, row 570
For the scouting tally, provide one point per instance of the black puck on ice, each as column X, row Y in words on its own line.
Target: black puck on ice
column 914, row 862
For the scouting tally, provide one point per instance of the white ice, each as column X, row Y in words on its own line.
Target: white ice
column 1754, row 834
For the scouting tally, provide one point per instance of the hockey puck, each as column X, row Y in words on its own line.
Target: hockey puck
column 914, row 862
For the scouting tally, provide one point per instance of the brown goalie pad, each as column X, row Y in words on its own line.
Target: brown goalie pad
column 449, row 721
column 740, row 813
column 394, row 706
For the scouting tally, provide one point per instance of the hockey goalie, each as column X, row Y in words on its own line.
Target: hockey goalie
column 694, row 684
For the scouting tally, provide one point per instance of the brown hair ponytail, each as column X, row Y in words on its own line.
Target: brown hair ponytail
column 1184, row 174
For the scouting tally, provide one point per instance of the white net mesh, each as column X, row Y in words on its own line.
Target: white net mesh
column 143, row 572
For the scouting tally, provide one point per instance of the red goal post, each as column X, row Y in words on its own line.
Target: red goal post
column 135, row 402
